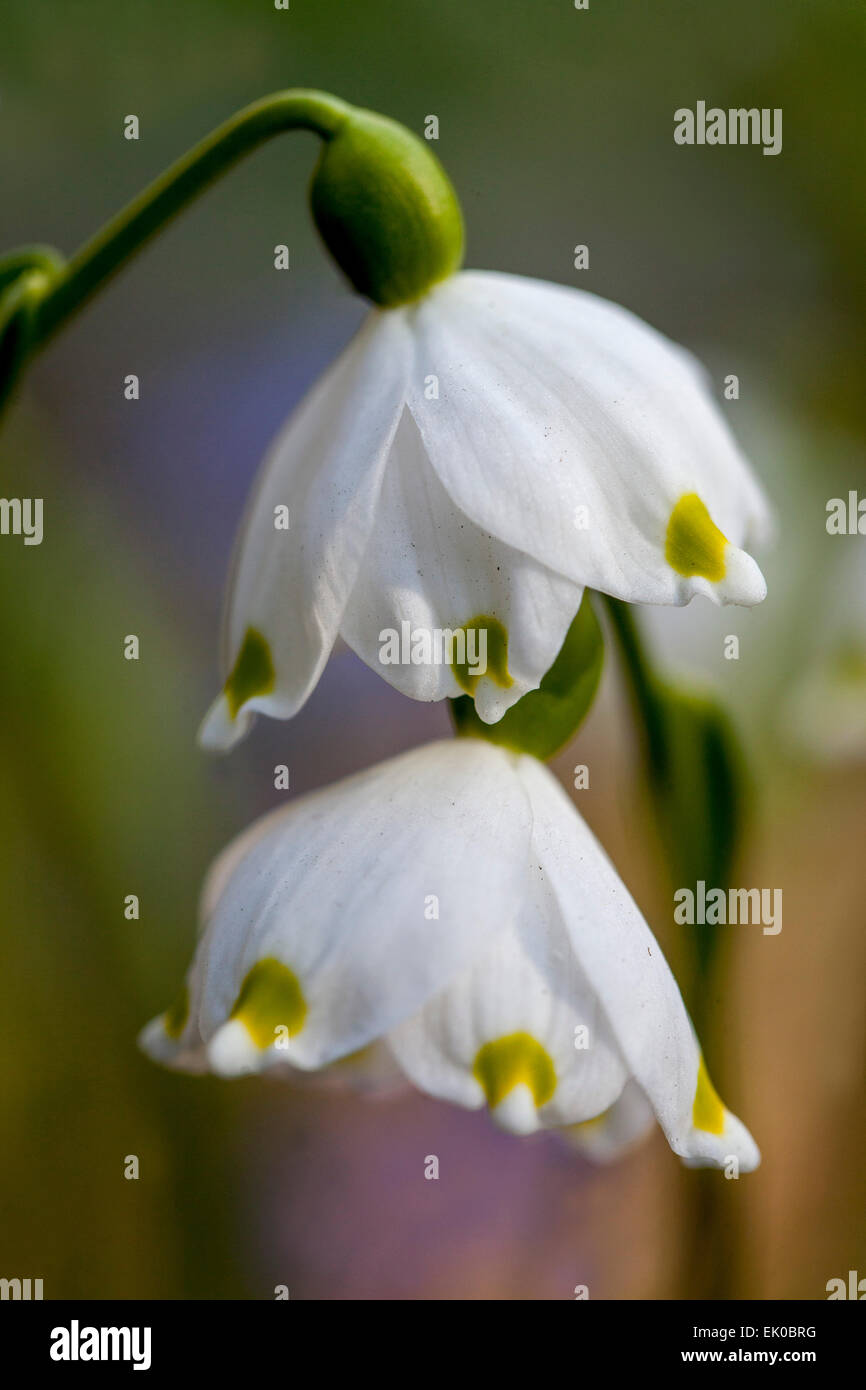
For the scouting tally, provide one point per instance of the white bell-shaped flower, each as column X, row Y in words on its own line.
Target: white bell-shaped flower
column 823, row 706
column 468, row 465
column 451, row 907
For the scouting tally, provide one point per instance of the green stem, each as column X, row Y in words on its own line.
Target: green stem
column 641, row 681
column 26, row 259
column 116, row 243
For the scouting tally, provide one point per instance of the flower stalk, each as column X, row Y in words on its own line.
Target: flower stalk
column 382, row 203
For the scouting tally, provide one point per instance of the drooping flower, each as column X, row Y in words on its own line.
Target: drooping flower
column 471, row 462
column 449, row 908
column 823, row 708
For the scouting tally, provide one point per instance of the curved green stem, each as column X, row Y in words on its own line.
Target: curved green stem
column 116, row 243
column 26, row 259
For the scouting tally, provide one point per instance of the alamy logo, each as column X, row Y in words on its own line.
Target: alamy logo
column 422, row 646
column 22, row 516
column 846, row 518
column 21, row 1289
column 856, row 1287
column 714, row 907
column 76, row 1343
column 736, row 126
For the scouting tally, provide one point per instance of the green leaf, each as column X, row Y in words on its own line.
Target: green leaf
column 696, row 773
column 547, row 718
column 698, row 783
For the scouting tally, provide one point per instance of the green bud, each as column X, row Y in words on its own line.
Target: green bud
column 385, row 209
column 547, row 718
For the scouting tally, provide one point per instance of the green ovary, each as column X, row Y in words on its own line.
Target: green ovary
column 386, row 209
column 694, row 543
column 270, row 998
column 252, row 674
column 495, row 657
column 515, row 1060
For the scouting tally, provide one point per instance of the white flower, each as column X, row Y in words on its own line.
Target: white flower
column 823, row 706
column 481, row 456
column 451, row 907
column 621, row 1128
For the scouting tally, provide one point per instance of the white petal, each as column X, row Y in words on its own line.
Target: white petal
column 372, row 1072
column 173, row 1037
column 163, row 1046
column 519, row 1030
column 232, row 1051
column 624, row 966
column 823, row 710
column 571, row 430
column 430, row 568
column 617, row 1130
column 289, row 587
column 338, row 889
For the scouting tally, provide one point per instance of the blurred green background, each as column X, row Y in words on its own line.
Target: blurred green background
column 556, row 126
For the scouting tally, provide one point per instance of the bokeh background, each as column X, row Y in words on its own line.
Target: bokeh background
column 557, row 128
